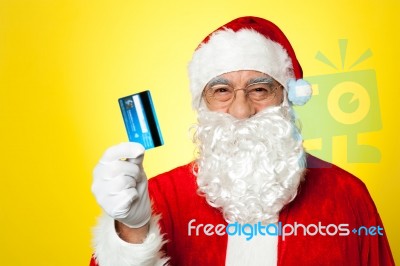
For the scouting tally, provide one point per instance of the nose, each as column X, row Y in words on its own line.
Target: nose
column 241, row 107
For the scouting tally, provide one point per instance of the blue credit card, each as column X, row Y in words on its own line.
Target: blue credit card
column 140, row 119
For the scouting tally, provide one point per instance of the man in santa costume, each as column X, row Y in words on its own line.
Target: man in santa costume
column 252, row 196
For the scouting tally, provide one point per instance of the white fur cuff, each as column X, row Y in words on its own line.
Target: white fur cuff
column 111, row 250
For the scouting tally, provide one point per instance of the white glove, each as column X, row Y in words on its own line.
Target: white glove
column 120, row 184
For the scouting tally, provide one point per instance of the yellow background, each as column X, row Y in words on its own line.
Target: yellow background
column 64, row 64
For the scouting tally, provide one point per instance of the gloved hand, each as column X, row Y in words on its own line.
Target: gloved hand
column 120, row 184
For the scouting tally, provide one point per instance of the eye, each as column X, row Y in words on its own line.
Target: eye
column 219, row 91
column 260, row 91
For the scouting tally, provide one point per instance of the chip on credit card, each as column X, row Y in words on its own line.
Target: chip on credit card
column 140, row 119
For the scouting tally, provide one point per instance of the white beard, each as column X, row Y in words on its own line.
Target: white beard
column 250, row 169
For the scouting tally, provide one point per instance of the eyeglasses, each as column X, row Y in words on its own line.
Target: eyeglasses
column 221, row 95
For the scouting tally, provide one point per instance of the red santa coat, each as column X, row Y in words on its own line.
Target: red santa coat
column 328, row 195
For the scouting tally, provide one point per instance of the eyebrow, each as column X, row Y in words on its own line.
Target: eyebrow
column 260, row 80
column 224, row 81
column 218, row 81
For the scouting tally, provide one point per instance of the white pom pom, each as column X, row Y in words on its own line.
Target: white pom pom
column 299, row 91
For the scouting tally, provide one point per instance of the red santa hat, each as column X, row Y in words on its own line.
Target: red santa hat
column 248, row 43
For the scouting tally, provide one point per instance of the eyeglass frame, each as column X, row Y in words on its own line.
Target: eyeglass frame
column 222, row 81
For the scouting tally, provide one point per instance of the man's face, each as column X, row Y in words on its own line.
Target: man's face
column 253, row 92
column 251, row 158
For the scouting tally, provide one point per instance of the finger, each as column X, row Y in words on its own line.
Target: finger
column 107, row 173
column 124, row 204
column 122, row 151
column 116, row 168
column 137, row 160
column 124, row 167
column 120, row 184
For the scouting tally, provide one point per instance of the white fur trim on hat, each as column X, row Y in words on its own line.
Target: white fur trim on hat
column 228, row 51
column 111, row 250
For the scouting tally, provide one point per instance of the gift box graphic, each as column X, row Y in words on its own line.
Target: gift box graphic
column 343, row 104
